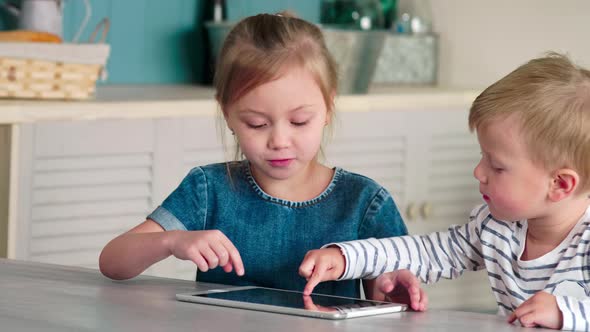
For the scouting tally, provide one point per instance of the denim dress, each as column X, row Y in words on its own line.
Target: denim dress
column 271, row 234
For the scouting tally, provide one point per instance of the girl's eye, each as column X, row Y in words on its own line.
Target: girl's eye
column 498, row 169
column 299, row 124
column 255, row 126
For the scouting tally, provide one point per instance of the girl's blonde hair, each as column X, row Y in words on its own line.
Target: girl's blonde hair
column 550, row 97
column 258, row 49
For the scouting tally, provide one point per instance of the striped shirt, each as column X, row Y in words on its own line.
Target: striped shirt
column 494, row 245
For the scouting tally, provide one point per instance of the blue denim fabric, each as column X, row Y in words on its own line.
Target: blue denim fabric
column 271, row 234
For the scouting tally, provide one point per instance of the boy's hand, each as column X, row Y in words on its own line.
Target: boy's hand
column 309, row 305
column 401, row 287
column 207, row 249
column 539, row 310
column 321, row 265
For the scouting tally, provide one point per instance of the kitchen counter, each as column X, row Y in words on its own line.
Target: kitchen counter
column 152, row 101
column 49, row 297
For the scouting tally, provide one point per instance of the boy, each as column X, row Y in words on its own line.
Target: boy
column 532, row 234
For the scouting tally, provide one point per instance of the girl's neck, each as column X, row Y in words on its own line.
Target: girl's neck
column 306, row 185
column 546, row 233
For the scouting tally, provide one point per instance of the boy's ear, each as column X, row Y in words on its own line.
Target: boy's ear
column 563, row 184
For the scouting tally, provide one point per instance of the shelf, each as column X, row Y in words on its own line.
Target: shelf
column 169, row 101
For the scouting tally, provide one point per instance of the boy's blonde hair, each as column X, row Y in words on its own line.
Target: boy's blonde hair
column 259, row 48
column 550, row 97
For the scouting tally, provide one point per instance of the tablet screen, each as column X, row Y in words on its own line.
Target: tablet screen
column 289, row 299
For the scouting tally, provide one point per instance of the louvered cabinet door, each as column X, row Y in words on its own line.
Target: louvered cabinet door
column 80, row 185
column 373, row 144
column 448, row 155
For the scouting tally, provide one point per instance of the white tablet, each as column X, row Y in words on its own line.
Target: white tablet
column 291, row 302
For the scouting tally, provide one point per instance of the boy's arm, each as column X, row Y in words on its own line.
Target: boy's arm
column 430, row 257
column 575, row 312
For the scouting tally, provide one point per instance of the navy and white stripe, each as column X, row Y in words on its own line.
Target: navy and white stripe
column 487, row 243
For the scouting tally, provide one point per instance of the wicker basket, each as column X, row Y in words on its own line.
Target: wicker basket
column 52, row 71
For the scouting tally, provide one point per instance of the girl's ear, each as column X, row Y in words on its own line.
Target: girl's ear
column 563, row 184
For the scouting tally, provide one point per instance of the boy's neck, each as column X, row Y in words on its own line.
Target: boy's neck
column 547, row 232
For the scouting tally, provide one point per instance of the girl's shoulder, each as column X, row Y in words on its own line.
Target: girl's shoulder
column 355, row 180
column 217, row 169
column 217, row 173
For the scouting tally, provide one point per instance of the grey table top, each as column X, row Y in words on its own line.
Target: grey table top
column 35, row 296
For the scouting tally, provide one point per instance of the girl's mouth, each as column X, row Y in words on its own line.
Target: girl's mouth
column 280, row 162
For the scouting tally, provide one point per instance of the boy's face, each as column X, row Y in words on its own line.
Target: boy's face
column 512, row 185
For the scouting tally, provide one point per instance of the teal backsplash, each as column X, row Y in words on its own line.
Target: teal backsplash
column 162, row 42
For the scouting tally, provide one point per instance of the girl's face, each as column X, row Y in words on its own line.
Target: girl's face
column 279, row 125
column 513, row 186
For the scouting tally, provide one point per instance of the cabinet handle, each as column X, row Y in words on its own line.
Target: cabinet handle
column 412, row 211
column 426, row 210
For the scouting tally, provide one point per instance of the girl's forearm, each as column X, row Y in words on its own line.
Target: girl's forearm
column 129, row 254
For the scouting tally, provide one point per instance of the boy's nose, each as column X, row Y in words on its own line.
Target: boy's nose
column 478, row 173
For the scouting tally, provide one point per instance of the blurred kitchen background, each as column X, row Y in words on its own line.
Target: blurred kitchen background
column 74, row 174
column 165, row 42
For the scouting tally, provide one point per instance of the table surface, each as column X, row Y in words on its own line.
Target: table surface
column 36, row 296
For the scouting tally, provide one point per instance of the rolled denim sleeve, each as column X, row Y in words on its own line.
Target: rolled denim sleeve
column 166, row 219
column 186, row 207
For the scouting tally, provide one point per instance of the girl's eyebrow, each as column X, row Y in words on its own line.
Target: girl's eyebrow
column 255, row 112
column 260, row 113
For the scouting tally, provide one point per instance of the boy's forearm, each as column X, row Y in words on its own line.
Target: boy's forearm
column 130, row 254
column 429, row 257
column 576, row 313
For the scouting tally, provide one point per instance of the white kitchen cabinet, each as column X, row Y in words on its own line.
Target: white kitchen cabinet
column 82, row 183
column 79, row 184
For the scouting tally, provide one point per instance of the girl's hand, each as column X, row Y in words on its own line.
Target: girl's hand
column 207, row 249
column 321, row 265
column 401, row 287
column 539, row 310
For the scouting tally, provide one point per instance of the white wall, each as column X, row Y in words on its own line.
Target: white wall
column 481, row 41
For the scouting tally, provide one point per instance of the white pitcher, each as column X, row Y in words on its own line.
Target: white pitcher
column 44, row 15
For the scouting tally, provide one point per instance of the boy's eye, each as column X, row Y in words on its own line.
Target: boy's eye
column 498, row 169
column 298, row 124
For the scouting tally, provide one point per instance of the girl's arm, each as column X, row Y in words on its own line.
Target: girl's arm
column 130, row 253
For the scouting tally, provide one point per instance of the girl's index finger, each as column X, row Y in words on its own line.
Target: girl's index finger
column 234, row 256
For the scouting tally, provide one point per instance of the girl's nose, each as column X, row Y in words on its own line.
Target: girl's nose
column 279, row 138
column 479, row 173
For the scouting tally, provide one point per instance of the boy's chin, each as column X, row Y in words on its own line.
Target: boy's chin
column 501, row 217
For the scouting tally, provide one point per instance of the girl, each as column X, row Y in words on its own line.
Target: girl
column 275, row 83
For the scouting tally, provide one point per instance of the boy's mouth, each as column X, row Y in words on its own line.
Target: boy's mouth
column 486, row 197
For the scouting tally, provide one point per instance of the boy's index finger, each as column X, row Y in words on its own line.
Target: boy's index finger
column 307, row 266
column 317, row 275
